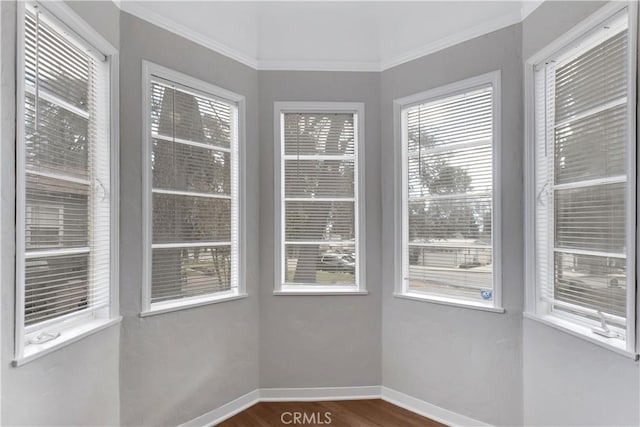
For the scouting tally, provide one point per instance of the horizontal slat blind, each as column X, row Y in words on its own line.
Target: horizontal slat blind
column 319, row 189
column 194, row 193
column 449, row 168
column 67, row 177
column 581, row 181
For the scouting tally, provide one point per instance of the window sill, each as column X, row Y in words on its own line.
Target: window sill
column 320, row 290
column 186, row 303
column 67, row 336
column 448, row 301
column 583, row 332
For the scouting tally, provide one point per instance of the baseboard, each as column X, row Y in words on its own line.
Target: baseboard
column 318, row 394
column 333, row 393
column 428, row 410
column 225, row 411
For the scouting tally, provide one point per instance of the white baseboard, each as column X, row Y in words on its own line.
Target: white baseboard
column 318, row 394
column 428, row 410
column 227, row 410
column 397, row 398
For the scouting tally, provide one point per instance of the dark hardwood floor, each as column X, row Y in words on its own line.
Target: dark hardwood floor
column 343, row 413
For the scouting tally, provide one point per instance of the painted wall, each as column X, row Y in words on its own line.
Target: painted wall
column 567, row 380
column 320, row 341
column 177, row 366
column 464, row 360
column 78, row 384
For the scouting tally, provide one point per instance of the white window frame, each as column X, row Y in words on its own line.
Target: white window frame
column 150, row 70
column 534, row 309
column 401, row 289
column 357, row 109
column 74, row 326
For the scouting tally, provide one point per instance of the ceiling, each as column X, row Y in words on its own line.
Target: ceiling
column 329, row 35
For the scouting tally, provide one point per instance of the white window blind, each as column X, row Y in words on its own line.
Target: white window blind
column 448, row 196
column 582, row 223
column 63, row 178
column 319, row 194
column 194, row 165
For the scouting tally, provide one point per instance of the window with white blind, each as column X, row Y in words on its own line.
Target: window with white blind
column 449, row 236
column 582, row 203
column 318, row 198
column 193, row 191
column 65, row 198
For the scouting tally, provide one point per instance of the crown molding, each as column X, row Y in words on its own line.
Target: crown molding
column 282, row 65
column 142, row 12
column 454, row 39
column 136, row 9
column 528, row 7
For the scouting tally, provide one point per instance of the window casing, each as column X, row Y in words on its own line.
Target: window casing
column 193, row 192
column 66, row 252
column 581, row 202
column 448, row 211
column 319, row 198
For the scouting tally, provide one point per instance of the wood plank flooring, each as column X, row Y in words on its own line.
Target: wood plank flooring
column 343, row 413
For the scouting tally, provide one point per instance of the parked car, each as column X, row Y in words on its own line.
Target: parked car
column 336, row 262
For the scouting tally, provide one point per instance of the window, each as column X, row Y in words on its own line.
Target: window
column 582, row 183
column 65, row 188
column 449, row 248
column 319, row 221
column 193, row 220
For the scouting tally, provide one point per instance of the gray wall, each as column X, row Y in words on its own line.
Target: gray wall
column 464, row 360
column 177, row 366
column 568, row 381
column 320, row 341
column 78, row 384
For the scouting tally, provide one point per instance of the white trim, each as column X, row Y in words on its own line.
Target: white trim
column 528, row 7
column 356, row 108
column 140, row 11
column 192, row 302
column 319, row 394
column 560, row 46
column 152, row 72
column 225, row 411
column 400, row 193
column 451, row 40
column 67, row 337
column 427, row 409
column 74, row 27
column 452, row 302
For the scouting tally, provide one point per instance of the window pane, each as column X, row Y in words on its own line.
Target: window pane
column 183, row 167
column 593, row 147
column 316, row 133
column 594, row 78
column 453, row 271
column 456, row 119
column 188, row 272
column 61, row 143
column 320, row 221
column 449, row 196
column 320, row 264
column 57, row 214
column 319, row 178
column 55, row 286
column 181, row 219
column 591, row 218
column 62, row 69
column 592, row 282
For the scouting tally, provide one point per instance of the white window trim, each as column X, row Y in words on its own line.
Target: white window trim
column 72, row 328
column 150, row 70
column 533, row 310
column 399, row 105
column 357, row 108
